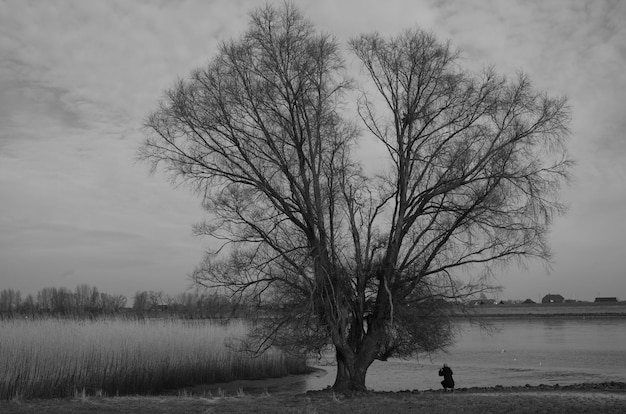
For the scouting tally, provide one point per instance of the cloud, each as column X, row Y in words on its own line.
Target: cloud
column 77, row 79
column 27, row 106
column 106, row 55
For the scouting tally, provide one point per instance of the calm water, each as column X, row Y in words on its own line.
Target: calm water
column 518, row 352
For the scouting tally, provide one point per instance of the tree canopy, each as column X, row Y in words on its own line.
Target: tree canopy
column 371, row 264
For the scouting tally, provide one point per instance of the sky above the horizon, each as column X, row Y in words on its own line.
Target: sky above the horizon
column 78, row 78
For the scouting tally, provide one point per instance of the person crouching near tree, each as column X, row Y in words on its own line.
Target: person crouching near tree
column 448, row 381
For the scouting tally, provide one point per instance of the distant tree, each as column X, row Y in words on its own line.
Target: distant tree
column 83, row 299
column 140, row 301
column 215, row 306
column 472, row 165
column 111, row 303
column 10, row 300
column 62, row 300
column 29, row 305
column 186, row 303
column 44, row 299
column 156, row 299
column 169, row 300
column 95, row 300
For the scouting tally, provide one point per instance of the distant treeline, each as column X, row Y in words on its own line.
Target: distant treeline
column 87, row 301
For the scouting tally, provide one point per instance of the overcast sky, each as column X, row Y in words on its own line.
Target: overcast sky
column 77, row 79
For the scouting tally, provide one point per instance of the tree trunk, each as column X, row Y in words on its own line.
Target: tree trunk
column 350, row 374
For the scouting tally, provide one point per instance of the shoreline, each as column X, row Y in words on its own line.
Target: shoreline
column 611, row 386
column 282, row 385
column 586, row 310
column 537, row 315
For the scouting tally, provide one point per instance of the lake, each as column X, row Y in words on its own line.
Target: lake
column 517, row 352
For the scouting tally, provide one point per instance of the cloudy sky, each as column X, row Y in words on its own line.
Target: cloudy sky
column 77, row 79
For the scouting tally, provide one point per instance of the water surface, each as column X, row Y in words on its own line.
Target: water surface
column 517, row 352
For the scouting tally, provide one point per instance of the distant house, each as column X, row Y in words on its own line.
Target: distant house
column 606, row 299
column 528, row 301
column 549, row 298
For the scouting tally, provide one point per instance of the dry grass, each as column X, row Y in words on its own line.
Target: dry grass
column 60, row 358
column 547, row 401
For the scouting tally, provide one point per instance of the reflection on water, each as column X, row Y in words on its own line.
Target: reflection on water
column 517, row 352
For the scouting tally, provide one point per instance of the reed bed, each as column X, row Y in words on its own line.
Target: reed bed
column 59, row 358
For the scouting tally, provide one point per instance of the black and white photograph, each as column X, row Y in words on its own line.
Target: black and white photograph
column 299, row 206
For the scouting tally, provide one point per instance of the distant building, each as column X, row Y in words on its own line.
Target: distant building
column 528, row 301
column 606, row 299
column 549, row 298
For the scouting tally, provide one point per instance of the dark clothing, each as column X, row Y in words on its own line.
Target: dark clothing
column 446, row 373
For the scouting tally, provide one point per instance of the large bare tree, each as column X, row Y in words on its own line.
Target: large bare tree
column 370, row 264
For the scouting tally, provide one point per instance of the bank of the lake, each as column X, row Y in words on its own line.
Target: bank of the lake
column 516, row 352
column 553, row 344
column 551, row 310
column 584, row 398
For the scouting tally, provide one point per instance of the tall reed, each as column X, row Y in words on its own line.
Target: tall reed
column 57, row 358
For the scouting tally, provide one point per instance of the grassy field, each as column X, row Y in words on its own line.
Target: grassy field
column 61, row 358
column 470, row 402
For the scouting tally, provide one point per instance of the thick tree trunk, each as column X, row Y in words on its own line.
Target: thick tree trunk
column 352, row 366
column 349, row 378
column 350, row 374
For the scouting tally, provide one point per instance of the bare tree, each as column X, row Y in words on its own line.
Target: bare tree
column 10, row 300
column 29, row 306
column 156, row 299
column 141, row 301
column 44, row 300
column 83, row 299
column 370, row 265
column 111, row 303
